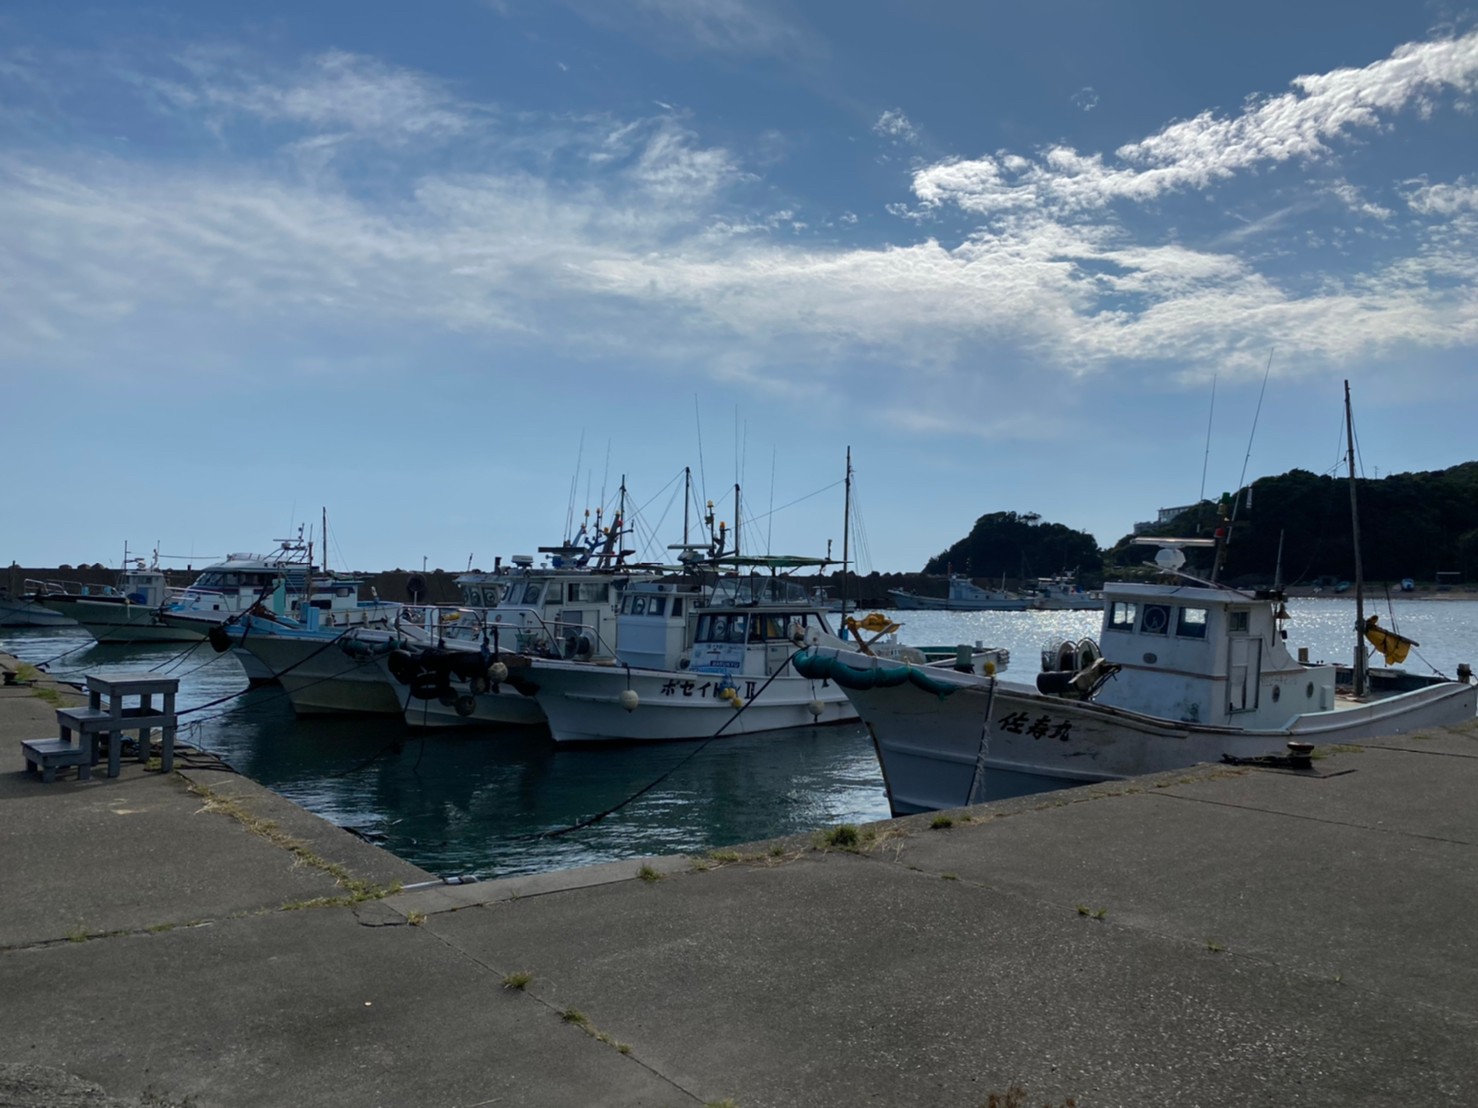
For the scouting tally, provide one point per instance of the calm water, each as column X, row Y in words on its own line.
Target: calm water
column 482, row 801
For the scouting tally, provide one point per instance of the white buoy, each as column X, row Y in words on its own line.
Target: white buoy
column 629, row 699
column 498, row 672
column 816, row 708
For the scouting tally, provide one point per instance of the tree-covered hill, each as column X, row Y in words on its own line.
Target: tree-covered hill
column 1411, row 525
column 1007, row 544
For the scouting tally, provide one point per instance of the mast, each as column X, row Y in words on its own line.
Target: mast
column 736, row 519
column 1359, row 669
column 323, row 539
column 687, row 499
column 846, row 531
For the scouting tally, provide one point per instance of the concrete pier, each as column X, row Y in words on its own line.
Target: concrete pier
column 1219, row 936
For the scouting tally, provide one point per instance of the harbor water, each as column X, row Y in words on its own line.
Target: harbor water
column 487, row 802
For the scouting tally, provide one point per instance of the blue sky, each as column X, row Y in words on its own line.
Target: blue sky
column 449, row 271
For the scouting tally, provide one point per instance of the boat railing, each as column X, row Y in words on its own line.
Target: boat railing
column 524, row 630
column 33, row 587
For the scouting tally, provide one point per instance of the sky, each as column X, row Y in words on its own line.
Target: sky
column 450, row 273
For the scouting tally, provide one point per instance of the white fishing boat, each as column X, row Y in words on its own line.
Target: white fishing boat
column 126, row 612
column 1185, row 671
column 285, row 587
column 324, row 657
column 695, row 659
column 471, row 669
column 1062, row 593
column 964, row 596
column 23, row 608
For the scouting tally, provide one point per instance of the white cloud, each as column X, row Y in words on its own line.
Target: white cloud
column 334, row 91
column 893, row 124
column 599, row 234
column 1444, row 199
column 1198, row 152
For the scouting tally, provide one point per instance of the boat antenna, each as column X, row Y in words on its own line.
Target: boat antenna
column 574, row 485
column 846, row 531
column 1359, row 669
column 687, row 499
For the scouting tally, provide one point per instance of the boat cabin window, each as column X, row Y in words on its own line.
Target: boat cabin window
column 531, row 593
column 1156, row 619
column 712, row 628
column 1237, row 622
column 636, row 605
column 769, row 628
column 1190, row 623
column 1123, row 615
column 587, row 592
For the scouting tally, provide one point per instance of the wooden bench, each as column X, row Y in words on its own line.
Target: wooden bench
column 46, row 756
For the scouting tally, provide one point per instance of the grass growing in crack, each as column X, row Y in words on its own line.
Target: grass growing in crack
column 647, row 873
column 415, row 919
column 949, row 876
column 843, row 836
column 941, row 822
column 78, row 934
column 519, row 980
column 1337, row 748
column 1214, row 947
column 1016, row 1097
column 356, row 889
column 51, row 696
column 582, row 1021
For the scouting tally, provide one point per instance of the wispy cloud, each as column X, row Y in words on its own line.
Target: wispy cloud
column 599, row 233
column 1196, row 153
column 893, row 124
column 740, row 28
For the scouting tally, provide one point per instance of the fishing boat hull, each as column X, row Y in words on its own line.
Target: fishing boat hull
column 115, row 619
column 28, row 613
column 321, row 677
column 587, row 702
column 937, row 737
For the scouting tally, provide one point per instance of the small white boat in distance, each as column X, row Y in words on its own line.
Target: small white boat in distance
column 1188, row 672
column 964, row 596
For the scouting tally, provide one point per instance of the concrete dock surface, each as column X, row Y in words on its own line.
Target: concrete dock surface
column 1218, row 936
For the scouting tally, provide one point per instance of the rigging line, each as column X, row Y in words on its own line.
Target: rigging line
column 799, row 500
column 574, row 486
column 1255, row 415
column 178, row 659
column 1207, row 459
